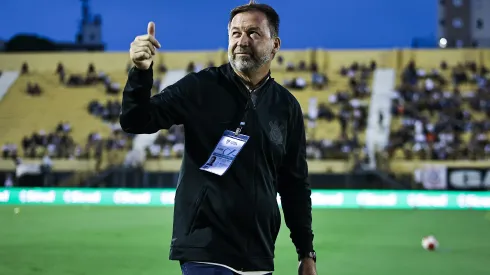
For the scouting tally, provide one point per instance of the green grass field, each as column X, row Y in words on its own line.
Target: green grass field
column 64, row 240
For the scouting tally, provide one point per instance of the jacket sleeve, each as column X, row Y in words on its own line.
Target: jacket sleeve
column 142, row 113
column 293, row 186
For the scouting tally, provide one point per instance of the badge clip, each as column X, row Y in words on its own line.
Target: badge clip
column 239, row 129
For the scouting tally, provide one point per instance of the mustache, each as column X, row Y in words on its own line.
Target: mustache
column 242, row 50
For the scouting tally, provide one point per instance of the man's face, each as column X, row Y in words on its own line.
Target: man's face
column 250, row 44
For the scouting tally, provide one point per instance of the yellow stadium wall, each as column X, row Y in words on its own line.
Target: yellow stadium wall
column 180, row 60
column 432, row 58
column 334, row 60
column 486, row 57
column 47, row 62
column 294, row 56
column 108, row 62
column 328, row 61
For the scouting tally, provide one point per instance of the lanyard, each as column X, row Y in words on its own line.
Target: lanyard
column 250, row 104
column 244, row 118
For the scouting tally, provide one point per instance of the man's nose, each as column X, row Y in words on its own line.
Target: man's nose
column 244, row 41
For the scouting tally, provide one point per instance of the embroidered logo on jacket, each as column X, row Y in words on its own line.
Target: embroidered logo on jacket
column 275, row 133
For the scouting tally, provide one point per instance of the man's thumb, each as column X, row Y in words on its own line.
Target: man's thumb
column 151, row 29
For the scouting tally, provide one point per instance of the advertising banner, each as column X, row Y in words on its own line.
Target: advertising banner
column 320, row 198
column 468, row 178
column 433, row 177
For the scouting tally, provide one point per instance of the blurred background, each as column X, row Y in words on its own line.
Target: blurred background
column 395, row 96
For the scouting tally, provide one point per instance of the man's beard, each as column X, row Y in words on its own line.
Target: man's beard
column 249, row 63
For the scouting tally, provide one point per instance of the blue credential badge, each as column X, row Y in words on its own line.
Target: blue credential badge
column 225, row 153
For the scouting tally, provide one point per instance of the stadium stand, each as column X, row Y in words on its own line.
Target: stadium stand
column 73, row 112
column 440, row 108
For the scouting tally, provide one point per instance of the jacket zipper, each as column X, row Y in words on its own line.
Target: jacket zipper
column 254, row 188
column 250, row 126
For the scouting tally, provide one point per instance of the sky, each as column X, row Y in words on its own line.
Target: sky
column 201, row 24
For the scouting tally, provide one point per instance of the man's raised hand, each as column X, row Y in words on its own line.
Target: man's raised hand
column 143, row 48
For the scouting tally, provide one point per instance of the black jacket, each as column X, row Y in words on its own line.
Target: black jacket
column 232, row 219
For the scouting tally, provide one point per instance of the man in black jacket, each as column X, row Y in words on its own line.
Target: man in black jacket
column 226, row 215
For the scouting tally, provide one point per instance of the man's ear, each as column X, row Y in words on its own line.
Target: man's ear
column 277, row 45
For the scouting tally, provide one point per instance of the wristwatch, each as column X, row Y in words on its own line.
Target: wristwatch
column 303, row 255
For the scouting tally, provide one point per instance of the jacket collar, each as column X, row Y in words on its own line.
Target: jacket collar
column 230, row 73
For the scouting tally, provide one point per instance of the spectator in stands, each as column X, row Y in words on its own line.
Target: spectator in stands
column 325, row 112
column 112, row 110
column 297, row 83
column 343, row 118
column 113, row 88
column 153, row 151
column 28, row 146
column 354, row 67
column 459, row 75
column 280, row 60
column 191, row 67
column 166, row 145
column 302, row 65
column 9, row 180
column 91, row 76
column 314, row 67
column 9, row 150
column 25, row 68
column 366, row 72
column 91, row 69
column 162, row 68
column 33, row 89
column 60, row 71
column 93, row 138
column 109, row 112
column 343, row 71
column 380, row 119
column 443, row 65
column 373, row 66
column 319, row 81
column 95, row 108
column 116, row 141
column 98, row 151
column 410, row 74
column 64, row 127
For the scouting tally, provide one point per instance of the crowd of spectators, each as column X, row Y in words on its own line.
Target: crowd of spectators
column 57, row 143
column 108, row 112
column 33, row 89
column 92, row 77
column 443, row 113
column 169, row 144
column 344, row 107
column 318, row 80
